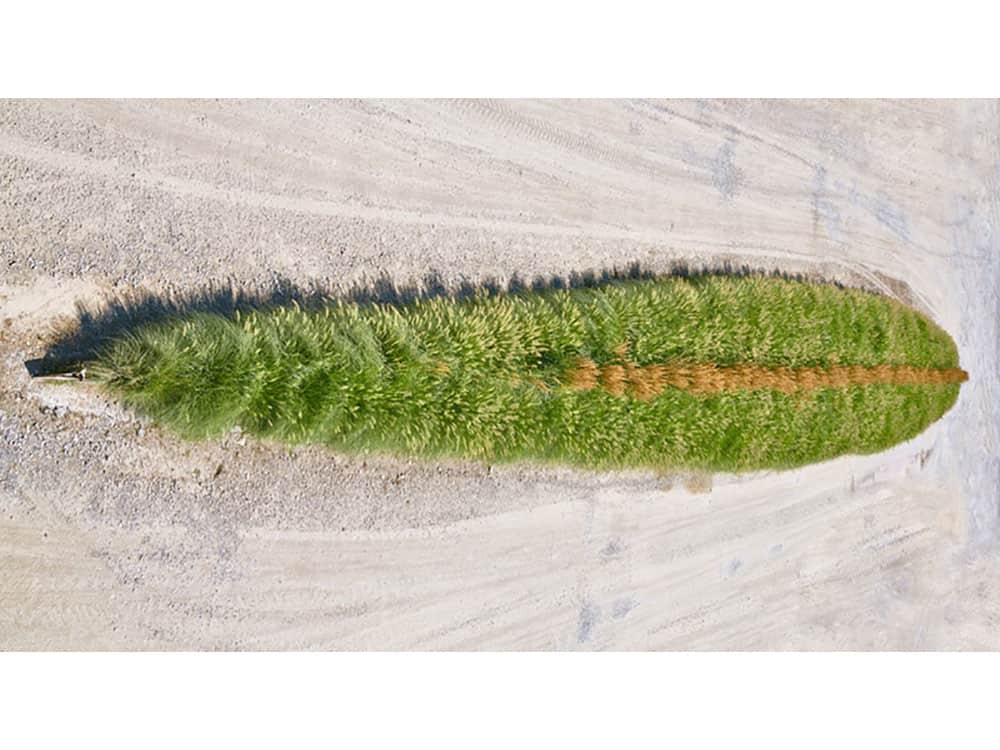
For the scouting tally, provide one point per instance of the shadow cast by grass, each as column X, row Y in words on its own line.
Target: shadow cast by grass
column 97, row 324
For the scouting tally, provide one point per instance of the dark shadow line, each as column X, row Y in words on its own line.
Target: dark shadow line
column 99, row 323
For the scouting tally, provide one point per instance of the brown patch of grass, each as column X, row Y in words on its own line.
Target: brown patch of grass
column 612, row 379
column 699, row 483
column 584, row 376
column 649, row 381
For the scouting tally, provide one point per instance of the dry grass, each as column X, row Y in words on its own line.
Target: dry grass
column 698, row 483
column 649, row 381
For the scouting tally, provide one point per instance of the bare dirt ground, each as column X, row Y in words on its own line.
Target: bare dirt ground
column 114, row 535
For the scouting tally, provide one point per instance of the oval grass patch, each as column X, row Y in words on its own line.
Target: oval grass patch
column 715, row 373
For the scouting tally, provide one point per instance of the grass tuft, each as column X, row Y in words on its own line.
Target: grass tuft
column 590, row 376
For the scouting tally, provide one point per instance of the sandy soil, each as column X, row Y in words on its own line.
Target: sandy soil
column 114, row 535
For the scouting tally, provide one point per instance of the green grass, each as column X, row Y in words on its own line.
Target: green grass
column 459, row 378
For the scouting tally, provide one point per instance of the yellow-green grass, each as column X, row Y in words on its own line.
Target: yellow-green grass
column 487, row 377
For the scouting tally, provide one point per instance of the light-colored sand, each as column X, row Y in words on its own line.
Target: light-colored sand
column 114, row 535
